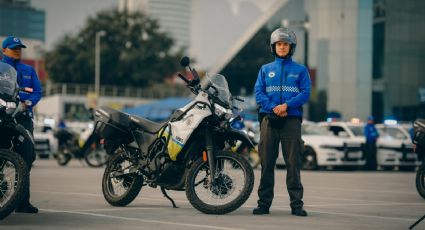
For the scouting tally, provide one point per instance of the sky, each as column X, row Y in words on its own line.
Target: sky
column 65, row 16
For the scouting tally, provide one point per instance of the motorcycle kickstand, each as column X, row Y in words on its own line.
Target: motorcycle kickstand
column 82, row 163
column 168, row 197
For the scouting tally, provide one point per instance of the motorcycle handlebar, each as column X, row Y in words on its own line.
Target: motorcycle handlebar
column 183, row 78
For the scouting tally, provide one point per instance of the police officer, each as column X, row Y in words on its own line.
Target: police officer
column 27, row 77
column 370, row 146
column 282, row 87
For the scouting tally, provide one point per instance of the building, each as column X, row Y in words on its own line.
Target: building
column 398, row 63
column 173, row 16
column 19, row 19
column 340, row 49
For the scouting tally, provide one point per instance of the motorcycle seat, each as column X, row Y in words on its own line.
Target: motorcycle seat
column 145, row 124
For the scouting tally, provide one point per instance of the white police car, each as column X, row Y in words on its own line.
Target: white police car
column 395, row 148
column 323, row 149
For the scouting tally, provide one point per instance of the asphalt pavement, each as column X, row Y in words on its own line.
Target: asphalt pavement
column 71, row 198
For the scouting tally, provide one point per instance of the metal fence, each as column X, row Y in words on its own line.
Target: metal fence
column 155, row 91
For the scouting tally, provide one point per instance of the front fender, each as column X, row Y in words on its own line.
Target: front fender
column 24, row 132
column 234, row 134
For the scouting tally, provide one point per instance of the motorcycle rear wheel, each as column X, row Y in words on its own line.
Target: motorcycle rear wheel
column 13, row 179
column 121, row 190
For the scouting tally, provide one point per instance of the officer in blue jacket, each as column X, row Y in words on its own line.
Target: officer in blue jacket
column 282, row 87
column 27, row 77
column 370, row 150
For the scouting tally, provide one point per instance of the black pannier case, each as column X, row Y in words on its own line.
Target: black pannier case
column 419, row 129
column 113, row 125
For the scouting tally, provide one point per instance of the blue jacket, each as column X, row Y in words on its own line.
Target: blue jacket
column 371, row 133
column 282, row 81
column 27, row 77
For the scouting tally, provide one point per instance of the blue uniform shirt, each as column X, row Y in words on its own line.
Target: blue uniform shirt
column 282, row 81
column 371, row 133
column 27, row 77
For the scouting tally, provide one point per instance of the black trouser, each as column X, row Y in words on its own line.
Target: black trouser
column 286, row 131
column 370, row 155
column 27, row 152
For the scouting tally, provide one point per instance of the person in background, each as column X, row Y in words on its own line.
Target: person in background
column 282, row 87
column 371, row 134
column 27, row 78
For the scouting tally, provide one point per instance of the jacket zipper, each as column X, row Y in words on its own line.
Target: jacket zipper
column 281, row 84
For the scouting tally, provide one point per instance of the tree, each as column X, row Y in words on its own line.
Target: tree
column 133, row 52
column 242, row 71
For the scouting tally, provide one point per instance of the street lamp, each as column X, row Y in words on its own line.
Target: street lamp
column 97, row 61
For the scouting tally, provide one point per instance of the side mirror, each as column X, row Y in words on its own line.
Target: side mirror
column 185, row 61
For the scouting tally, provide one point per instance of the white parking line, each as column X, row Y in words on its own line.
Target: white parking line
column 365, row 190
column 273, row 207
column 306, row 197
column 367, row 204
column 141, row 220
column 99, row 195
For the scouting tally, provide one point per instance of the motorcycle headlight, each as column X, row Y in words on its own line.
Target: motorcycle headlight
column 223, row 112
column 2, row 103
column 10, row 107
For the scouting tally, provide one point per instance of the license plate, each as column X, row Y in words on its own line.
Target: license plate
column 411, row 156
column 354, row 155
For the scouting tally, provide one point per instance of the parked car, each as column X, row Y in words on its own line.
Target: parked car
column 390, row 153
column 323, row 149
column 45, row 142
column 395, row 148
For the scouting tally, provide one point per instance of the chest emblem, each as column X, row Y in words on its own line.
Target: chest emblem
column 272, row 74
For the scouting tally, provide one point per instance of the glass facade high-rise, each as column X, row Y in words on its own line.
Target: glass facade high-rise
column 399, row 60
column 19, row 19
column 173, row 16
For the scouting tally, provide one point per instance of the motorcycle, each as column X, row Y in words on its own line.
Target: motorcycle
column 13, row 169
column 86, row 145
column 185, row 153
column 419, row 140
column 252, row 130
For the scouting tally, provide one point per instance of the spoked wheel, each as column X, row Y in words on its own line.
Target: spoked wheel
column 231, row 188
column 13, row 178
column 420, row 181
column 63, row 157
column 118, row 189
column 96, row 157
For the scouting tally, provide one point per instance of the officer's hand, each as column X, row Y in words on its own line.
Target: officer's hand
column 276, row 110
column 284, row 107
column 283, row 114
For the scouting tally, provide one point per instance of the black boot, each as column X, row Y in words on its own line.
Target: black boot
column 260, row 211
column 299, row 212
column 27, row 209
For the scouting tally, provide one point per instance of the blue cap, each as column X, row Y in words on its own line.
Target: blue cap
column 12, row 42
column 370, row 118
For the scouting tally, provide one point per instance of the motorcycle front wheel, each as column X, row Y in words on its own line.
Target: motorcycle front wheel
column 96, row 157
column 120, row 190
column 231, row 188
column 420, row 181
column 13, row 178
